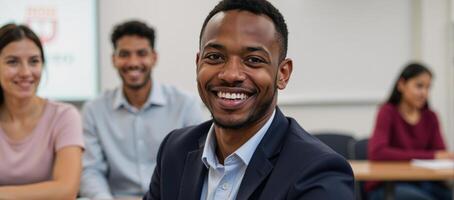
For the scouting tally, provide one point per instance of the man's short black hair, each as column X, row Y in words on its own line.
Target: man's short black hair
column 257, row 7
column 133, row 27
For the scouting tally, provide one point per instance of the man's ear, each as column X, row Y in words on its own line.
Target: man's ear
column 154, row 54
column 197, row 60
column 284, row 73
column 113, row 59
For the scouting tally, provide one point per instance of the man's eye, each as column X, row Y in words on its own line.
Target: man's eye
column 123, row 54
column 142, row 53
column 254, row 60
column 213, row 56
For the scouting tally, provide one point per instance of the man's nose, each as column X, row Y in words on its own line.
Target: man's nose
column 233, row 71
column 134, row 60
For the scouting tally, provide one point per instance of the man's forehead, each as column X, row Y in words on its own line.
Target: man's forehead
column 133, row 41
column 240, row 21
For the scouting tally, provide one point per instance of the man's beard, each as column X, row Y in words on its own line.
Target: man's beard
column 139, row 86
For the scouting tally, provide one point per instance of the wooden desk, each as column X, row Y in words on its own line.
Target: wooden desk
column 119, row 198
column 396, row 171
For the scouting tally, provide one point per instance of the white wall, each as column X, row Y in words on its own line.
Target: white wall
column 346, row 54
column 450, row 74
column 435, row 51
column 177, row 24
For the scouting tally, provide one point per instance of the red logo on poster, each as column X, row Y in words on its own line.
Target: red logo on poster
column 43, row 21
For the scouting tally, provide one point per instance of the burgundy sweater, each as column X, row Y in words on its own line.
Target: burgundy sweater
column 394, row 139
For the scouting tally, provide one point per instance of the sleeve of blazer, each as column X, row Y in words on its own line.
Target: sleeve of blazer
column 329, row 177
column 154, row 191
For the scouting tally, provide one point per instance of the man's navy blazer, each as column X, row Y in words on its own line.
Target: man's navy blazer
column 287, row 164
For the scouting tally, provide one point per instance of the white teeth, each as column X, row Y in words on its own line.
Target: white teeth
column 232, row 96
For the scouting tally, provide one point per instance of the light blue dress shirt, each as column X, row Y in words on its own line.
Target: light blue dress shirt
column 122, row 141
column 223, row 181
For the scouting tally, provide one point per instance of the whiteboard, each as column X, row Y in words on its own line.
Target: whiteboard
column 68, row 31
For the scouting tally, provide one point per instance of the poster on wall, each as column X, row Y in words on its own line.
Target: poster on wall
column 68, row 31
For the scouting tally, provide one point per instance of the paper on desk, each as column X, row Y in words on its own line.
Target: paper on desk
column 434, row 164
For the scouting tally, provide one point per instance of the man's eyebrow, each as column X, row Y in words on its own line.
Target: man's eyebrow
column 143, row 49
column 249, row 49
column 130, row 51
column 214, row 46
column 257, row 48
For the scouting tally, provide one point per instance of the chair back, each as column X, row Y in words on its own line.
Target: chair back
column 360, row 149
column 339, row 142
column 360, row 153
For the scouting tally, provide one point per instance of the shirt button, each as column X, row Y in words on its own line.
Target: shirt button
column 225, row 186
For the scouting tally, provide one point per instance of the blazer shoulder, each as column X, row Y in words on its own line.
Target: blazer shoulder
column 188, row 136
column 311, row 169
column 318, row 172
column 307, row 145
column 303, row 150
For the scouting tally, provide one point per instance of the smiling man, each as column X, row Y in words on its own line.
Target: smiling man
column 249, row 150
column 124, row 127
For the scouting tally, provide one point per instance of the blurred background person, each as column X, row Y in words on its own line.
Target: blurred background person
column 124, row 127
column 41, row 140
column 406, row 128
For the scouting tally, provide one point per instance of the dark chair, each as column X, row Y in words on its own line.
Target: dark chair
column 339, row 142
column 360, row 153
column 360, row 149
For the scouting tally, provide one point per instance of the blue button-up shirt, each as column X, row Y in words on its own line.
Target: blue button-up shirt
column 122, row 141
column 223, row 181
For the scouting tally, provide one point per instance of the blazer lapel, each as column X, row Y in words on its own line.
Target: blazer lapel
column 254, row 175
column 194, row 174
column 261, row 163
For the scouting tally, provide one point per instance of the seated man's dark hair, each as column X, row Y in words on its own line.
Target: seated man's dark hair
column 133, row 27
column 257, row 7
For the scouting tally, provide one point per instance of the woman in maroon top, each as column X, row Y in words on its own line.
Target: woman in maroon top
column 406, row 128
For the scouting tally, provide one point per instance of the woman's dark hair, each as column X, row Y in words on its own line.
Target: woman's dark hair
column 410, row 71
column 11, row 33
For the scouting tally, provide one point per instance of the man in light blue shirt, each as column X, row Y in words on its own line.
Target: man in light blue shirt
column 124, row 127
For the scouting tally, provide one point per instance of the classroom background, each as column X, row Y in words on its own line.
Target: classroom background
column 346, row 53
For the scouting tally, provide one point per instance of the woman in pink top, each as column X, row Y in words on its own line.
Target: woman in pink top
column 40, row 140
column 406, row 128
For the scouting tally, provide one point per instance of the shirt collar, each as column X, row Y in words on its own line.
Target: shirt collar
column 156, row 97
column 245, row 152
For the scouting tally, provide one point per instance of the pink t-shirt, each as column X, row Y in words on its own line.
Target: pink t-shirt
column 31, row 159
